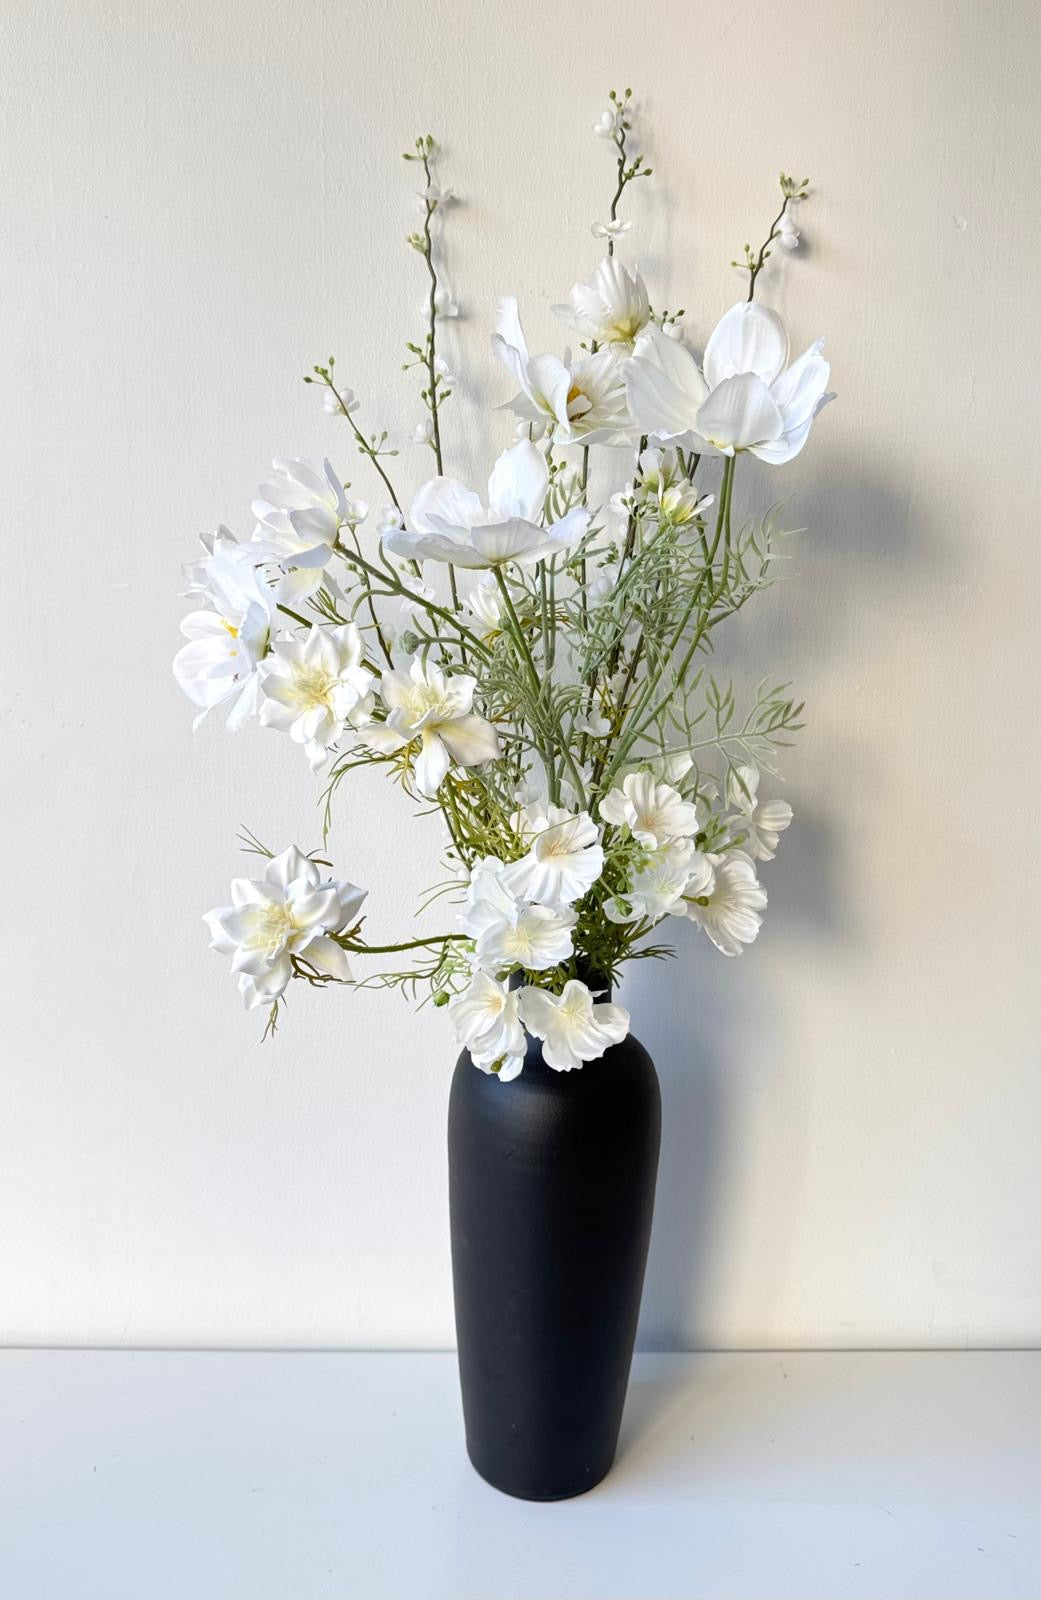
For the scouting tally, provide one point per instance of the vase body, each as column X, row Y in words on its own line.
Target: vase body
column 551, row 1189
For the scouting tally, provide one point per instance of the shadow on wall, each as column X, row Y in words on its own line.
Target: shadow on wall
column 704, row 1018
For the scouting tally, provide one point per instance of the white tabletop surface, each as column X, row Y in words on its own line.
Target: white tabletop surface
column 191, row 1476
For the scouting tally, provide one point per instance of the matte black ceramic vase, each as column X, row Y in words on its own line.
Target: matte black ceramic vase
column 551, row 1187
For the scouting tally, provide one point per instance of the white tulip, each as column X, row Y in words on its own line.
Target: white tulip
column 759, row 822
column 572, row 1028
column 428, row 708
column 227, row 641
column 580, row 402
column 289, row 912
column 747, row 398
column 612, row 309
column 564, row 860
column 487, row 1021
column 449, row 522
column 729, row 907
column 311, row 688
column 653, row 812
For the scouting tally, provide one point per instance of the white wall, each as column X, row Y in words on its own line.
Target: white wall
column 202, row 199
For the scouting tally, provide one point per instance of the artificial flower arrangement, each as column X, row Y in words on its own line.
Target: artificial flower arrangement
column 530, row 659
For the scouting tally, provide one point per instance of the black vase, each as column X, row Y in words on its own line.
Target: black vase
column 551, row 1190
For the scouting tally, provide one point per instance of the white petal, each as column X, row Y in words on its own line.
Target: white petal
column 327, row 956
column 432, row 764
column 519, row 482
column 739, row 414
column 446, row 498
column 748, row 338
column 470, row 740
column 663, row 386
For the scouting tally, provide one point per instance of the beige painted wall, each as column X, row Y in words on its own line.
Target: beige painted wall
column 201, row 199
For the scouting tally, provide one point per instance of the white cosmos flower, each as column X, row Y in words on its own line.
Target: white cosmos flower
column 427, row 707
column 288, row 912
column 565, row 857
column 299, row 513
column 610, row 230
column 580, row 402
column 228, row 640
column 449, row 522
column 653, row 812
column 612, row 309
column 746, row 399
column 730, row 907
column 311, row 688
column 510, row 932
column 759, row 822
column 572, row 1028
column 487, row 1021
column 656, row 888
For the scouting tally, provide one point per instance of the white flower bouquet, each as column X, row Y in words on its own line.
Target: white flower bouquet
column 530, row 659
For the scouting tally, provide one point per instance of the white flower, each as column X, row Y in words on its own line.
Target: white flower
column 449, row 523
column 654, row 812
column 289, row 912
column 444, row 305
column 339, row 404
column 387, row 517
column 299, row 513
column 484, row 608
column 593, row 723
column 311, row 688
column 439, row 196
column 573, row 1030
column 601, row 582
column 608, row 123
column 510, row 932
column 423, row 431
column 565, row 858
column 759, row 822
column 581, row 402
column 435, row 710
column 656, row 888
column 228, row 640
column 747, row 398
column 196, row 574
column 612, row 309
column 609, row 230
column 788, row 234
column 487, row 1021
column 729, row 908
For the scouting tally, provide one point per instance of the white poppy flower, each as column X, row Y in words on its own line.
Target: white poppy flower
column 311, row 688
column 450, row 524
column 427, row 707
column 653, row 812
column 580, row 402
column 746, row 399
column 612, row 309
column 487, row 1021
column 759, row 822
column 289, row 912
column 226, row 642
column 572, row 1028
column 730, row 907
column 509, row 932
column 564, row 860
column 610, row 230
